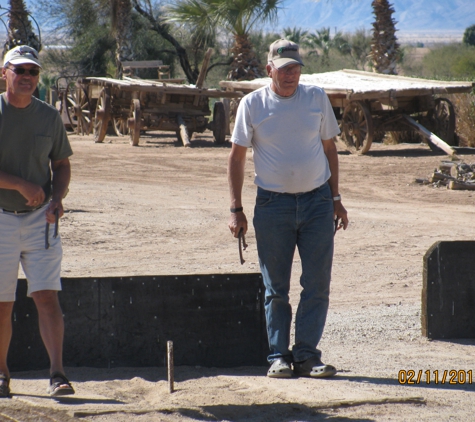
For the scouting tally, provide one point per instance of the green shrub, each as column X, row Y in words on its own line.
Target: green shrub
column 464, row 67
column 449, row 62
column 469, row 36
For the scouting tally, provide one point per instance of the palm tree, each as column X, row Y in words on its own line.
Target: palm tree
column 385, row 48
column 20, row 30
column 194, row 18
column 237, row 17
column 358, row 47
column 323, row 40
column 296, row 35
column 122, row 27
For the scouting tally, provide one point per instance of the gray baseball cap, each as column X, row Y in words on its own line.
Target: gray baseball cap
column 22, row 54
column 284, row 52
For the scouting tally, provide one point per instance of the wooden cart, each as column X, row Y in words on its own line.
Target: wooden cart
column 368, row 103
column 135, row 105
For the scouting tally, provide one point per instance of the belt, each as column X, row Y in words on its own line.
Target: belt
column 21, row 212
column 296, row 193
column 304, row 193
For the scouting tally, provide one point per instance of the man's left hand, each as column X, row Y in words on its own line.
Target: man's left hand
column 341, row 214
column 50, row 211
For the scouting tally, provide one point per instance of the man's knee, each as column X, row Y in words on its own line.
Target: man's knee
column 6, row 309
column 45, row 298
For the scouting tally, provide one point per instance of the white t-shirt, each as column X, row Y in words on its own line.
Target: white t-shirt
column 286, row 136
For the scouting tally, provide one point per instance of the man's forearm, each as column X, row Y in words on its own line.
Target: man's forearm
column 236, row 181
column 8, row 181
column 33, row 193
column 61, row 179
column 236, row 164
column 332, row 157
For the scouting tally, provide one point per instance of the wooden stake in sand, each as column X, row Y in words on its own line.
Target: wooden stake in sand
column 171, row 372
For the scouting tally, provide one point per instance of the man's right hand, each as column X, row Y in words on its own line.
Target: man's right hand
column 34, row 194
column 237, row 220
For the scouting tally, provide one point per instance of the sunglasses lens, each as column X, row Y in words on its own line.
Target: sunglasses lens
column 21, row 71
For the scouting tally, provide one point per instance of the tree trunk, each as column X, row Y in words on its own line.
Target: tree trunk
column 190, row 73
column 245, row 65
column 122, row 24
column 385, row 48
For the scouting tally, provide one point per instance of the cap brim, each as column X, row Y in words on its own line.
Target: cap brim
column 24, row 60
column 279, row 63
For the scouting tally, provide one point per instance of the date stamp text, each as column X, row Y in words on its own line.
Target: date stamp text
column 447, row 376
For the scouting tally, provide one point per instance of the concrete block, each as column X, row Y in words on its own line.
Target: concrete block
column 213, row 320
column 448, row 292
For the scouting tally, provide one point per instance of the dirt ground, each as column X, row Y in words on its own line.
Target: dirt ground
column 162, row 209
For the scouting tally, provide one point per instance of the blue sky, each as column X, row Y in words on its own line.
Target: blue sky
column 349, row 15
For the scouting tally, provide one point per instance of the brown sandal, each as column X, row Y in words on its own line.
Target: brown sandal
column 59, row 385
column 4, row 386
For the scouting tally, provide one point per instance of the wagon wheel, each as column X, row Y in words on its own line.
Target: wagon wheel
column 134, row 122
column 219, row 123
column 357, row 125
column 442, row 122
column 120, row 126
column 103, row 115
column 64, row 105
column 79, row 109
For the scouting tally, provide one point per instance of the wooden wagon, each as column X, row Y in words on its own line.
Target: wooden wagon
column 137, row 105
column 134, row 106
column 368, row 104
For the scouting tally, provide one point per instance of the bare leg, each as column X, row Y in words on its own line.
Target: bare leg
column 5, row 334
column 51, row 325
column 5, row 338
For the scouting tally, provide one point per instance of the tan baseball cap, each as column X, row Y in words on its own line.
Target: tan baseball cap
column 284, row 52
column 22, row 54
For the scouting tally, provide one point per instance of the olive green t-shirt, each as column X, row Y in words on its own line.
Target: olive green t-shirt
column 30, row 138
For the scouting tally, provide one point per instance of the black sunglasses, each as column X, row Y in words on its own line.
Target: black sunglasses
column 22, row 71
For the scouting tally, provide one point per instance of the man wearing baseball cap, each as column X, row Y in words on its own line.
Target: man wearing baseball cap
column 290, row 128
column 34, row 177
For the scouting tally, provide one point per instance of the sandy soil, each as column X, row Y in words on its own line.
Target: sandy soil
column 161, row 209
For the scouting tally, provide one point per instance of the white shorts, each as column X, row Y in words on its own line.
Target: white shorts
column 22, row 240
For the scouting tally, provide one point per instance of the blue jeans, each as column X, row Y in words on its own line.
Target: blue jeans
column 282, row 222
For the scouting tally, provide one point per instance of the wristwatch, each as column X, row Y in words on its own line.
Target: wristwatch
column 337, row 198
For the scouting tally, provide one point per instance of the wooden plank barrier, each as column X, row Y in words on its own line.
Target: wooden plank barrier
column 448, row 292
column 213, row 321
